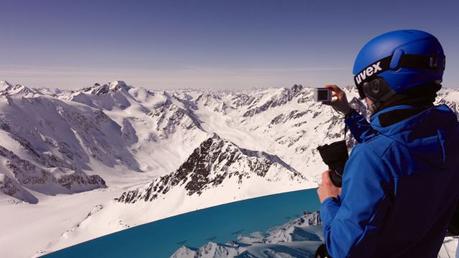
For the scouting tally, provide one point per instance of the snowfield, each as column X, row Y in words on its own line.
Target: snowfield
column 75, row 165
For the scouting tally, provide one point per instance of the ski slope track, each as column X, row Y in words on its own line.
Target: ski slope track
column 79, row 164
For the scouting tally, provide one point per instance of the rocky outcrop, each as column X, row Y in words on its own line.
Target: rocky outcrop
column 28, row 175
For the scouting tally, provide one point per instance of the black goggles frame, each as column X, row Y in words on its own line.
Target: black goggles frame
column 394, row 62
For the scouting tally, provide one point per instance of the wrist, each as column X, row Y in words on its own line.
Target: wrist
column 329, row 199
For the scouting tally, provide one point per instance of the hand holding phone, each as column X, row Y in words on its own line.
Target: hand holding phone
column 339, row 101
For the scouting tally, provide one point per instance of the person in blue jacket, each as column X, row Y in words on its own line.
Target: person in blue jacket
column 401, row 182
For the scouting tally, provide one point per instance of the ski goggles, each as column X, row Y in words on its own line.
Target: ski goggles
column 394, row 62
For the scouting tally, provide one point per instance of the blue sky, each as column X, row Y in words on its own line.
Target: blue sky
column 206, row 43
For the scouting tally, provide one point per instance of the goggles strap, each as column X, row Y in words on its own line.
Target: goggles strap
column 406, row 60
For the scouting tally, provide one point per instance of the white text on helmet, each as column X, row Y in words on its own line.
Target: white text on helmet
column 369, row 71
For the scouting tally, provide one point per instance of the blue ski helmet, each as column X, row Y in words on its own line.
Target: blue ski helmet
column 402, row 59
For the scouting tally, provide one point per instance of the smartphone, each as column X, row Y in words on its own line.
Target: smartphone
column 322, row 94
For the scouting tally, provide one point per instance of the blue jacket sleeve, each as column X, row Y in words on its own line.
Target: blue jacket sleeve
column 359, row 126
column 352, row 221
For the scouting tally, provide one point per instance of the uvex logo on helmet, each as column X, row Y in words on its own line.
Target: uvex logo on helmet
column 368, row 72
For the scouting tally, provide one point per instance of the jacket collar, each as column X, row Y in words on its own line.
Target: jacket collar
column 442, row 112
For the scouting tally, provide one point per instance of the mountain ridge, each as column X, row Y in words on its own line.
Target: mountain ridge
column 210, row 164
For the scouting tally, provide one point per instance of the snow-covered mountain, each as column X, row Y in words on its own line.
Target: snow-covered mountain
column 217, row 163
column 149, row 154
column 51, row 142
column 89, row 132
column 300, row 237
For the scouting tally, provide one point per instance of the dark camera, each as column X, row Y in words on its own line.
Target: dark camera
column 335, row 156
column 453, row 228
column 322, row 94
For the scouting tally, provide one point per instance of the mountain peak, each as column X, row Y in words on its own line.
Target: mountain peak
column 7, row 88
column 4, row 85
column 214, row 163
column 119, row 85
column 98, row 89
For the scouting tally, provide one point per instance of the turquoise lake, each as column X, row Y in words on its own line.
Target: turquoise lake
column 218, row 224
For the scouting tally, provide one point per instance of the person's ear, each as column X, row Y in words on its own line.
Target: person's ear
column 368, row 101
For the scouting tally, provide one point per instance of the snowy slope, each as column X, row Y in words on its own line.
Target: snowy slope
column 30, row 158
column 299, row 237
